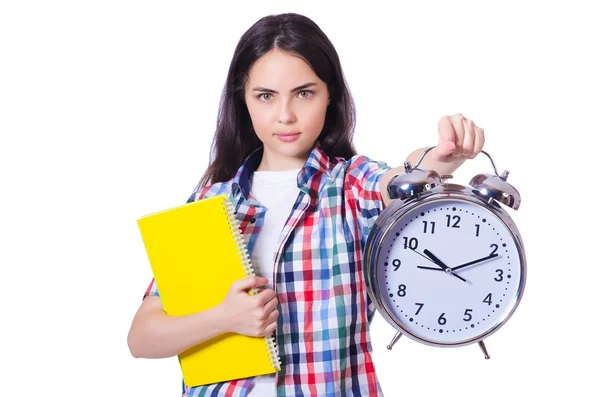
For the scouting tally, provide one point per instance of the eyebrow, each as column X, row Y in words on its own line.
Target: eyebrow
column 270, row 91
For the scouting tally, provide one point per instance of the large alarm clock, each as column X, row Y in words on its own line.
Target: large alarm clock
column 445, row 263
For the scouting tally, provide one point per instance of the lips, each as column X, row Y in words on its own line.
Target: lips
column 286, row 133
column 287, row 136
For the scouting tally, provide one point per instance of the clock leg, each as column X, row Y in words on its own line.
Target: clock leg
column 396, row 337
column 484, row 350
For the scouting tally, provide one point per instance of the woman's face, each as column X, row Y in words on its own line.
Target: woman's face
column 287, row 103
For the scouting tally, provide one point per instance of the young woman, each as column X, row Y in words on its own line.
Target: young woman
column 306, row 202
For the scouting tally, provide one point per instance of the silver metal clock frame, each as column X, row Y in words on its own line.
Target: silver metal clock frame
column 396, row 210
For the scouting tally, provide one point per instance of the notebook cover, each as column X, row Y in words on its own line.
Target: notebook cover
column 195, row 256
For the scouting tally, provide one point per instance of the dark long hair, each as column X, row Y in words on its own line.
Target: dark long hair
column 235, row 138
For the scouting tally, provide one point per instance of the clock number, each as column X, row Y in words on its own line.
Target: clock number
column 413, row 243
column 402, row 290
column 468, row 315
column 456, row 218
column 420, row 307
column 495, row 247
column 500, row 273
column 396, row 264
column 488, row 299
column 441, row 319
column 432, row 227
column 477, row 231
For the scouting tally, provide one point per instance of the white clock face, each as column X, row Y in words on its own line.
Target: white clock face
column 449, row 271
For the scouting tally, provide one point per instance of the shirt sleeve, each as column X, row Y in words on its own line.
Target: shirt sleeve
column 151, row 290
column 362, row 177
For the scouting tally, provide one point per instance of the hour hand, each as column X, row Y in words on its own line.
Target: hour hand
column 441, row 264
column 435, row 259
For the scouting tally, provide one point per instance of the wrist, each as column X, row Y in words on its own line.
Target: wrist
column 446, row 166
column 216, row 318
column 221, row 320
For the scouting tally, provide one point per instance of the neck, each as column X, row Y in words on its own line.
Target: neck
column 277, row 162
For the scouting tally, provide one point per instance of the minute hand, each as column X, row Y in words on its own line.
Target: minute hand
column 474, row 262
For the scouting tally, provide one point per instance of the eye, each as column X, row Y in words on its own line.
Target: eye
column 305, row 94
column 264, row 96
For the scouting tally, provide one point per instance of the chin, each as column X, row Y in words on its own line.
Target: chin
column 292, row 150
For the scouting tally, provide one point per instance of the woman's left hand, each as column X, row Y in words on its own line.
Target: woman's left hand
column 459, row 139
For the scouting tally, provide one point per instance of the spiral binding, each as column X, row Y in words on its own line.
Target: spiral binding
column 240, row 244
column 273, row 352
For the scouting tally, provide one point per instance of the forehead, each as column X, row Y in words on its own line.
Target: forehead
column 281, row 69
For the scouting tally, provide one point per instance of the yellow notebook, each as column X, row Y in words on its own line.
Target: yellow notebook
column 196, row 251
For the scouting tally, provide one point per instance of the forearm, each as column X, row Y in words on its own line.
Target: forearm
column 155, row 334
column 429, row 162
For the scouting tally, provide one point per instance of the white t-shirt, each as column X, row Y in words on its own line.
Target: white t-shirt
column 277, row 191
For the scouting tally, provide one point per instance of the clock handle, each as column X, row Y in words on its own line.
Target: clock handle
column 484, row 350
column 503, row 176
column 394, row 340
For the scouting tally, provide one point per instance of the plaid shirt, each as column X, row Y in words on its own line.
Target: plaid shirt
column 325, row 311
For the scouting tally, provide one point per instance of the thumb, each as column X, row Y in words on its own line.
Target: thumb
column 446, row 139
column 444, row 149
column 250, row 282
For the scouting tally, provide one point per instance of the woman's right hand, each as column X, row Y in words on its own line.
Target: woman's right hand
column 252, row 315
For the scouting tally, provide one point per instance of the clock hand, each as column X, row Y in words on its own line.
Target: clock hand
column 474, row 262
column 430, row 268
column 430, row 260
column 441, row 264
column 426, row 257
column 461, row 266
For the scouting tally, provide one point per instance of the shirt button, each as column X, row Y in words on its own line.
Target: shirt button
column 253, row 220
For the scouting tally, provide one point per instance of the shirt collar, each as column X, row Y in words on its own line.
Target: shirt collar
column 317, row 162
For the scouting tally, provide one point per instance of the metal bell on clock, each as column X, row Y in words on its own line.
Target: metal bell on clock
column 495, row 187
column 414, row 181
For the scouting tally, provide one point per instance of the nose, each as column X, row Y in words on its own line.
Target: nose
column 286, row 113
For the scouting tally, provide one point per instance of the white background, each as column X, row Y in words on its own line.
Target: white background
column 107, row 111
